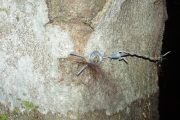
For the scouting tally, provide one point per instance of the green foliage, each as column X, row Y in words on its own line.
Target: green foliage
column 3, row 117
column 28, row 105
column 7, row 11
column 16, row 111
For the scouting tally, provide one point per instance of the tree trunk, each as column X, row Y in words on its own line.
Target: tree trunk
column 38, row 78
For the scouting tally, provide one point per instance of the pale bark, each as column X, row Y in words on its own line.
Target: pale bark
column 36, row 37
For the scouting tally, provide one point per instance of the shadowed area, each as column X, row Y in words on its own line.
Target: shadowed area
column 169, row 87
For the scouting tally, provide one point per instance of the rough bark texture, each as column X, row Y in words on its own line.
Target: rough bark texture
column 37, row 78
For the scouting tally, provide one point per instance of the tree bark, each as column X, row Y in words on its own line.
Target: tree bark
column 38, row 78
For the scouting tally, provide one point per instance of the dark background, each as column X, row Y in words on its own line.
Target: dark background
column 169, row 102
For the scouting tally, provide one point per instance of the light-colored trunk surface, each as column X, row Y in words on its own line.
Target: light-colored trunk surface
column 38, row 79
